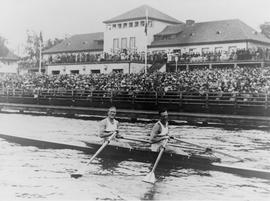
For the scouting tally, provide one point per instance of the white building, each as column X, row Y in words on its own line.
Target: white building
column 212, row 36
column 121, row 47
column 9, row 63
column 128, row 31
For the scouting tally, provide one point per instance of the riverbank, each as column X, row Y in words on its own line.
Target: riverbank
column 136, row 115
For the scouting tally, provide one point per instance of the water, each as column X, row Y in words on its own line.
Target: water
column 31, row 173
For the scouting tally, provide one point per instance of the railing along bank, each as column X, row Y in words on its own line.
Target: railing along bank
column 150, row 100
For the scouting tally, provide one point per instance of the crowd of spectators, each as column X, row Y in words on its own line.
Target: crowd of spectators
column 219, row 56
column 105, row 57
column 152, row 57
column 239, row 79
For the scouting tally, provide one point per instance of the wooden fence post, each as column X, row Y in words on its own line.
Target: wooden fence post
column 111, row 98
column 207, row 100
column 235, row 103
column 266, row 101
column 180, row 100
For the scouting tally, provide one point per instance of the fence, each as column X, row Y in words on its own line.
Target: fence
column 257, row 103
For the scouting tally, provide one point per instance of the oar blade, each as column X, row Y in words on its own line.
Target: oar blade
column 76, row 175
column 150, row 178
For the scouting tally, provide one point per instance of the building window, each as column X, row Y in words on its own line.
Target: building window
column 136, row 24
column 125, row 25
column 74, row 71
column 119, row 26
column 132, row 43
column 218, row 49
column 114, row 26
column 56, row 72
column 95, row 71
column 232, row 49
column 118, row 70
column 205, row 50
column 115, row 44
column 131, row 24
column 124, row 43
column 142, row 23
column 109, row 27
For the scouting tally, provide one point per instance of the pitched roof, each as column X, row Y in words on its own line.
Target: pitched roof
column 140, row 13
column 79, row 42
column 210, row 32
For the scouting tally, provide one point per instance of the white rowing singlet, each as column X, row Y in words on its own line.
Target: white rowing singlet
column 164, row 129
column 111, row 126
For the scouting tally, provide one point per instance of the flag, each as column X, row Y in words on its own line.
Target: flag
column 146, row 22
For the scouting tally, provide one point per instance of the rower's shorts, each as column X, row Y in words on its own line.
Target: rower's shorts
column 157, row 146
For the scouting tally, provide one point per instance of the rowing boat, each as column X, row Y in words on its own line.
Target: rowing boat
column 197, row 160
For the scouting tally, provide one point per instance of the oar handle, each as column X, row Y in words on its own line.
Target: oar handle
column 137, row 140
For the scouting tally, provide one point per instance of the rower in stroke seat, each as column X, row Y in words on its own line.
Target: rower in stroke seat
column 160, row 132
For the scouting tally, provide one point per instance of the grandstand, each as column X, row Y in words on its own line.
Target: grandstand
column 202, row 67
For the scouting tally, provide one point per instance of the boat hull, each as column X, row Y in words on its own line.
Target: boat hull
column 122, row 153
column 146, row 155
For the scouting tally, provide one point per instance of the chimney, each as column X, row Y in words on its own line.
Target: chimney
column 190, row 22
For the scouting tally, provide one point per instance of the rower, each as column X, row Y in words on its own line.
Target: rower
column 110, row 125
column 160, row 132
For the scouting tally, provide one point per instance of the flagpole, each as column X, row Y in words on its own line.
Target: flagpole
column 40, row 49
column 39, row 69
column 145, row 55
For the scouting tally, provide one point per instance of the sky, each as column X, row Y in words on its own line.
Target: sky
column 62, row 18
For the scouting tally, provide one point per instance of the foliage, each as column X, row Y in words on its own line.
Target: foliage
column 265, row 28
column 3, row 49
column 32, row 48
column 50, row 43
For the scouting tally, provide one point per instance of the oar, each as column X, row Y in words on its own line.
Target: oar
column 150, row 177
column 137, row 140
column 210, row 149
column 80, row 173
column 186, row 147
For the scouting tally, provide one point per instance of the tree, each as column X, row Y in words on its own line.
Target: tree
column 50, row 43
column 32, row 48
column 265, row 29
column 3, row 49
